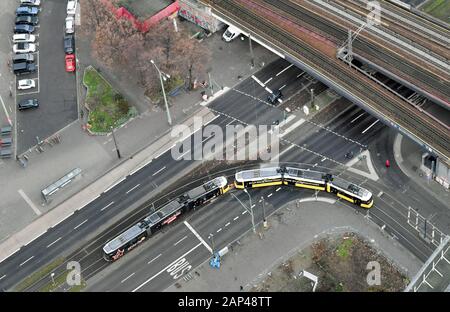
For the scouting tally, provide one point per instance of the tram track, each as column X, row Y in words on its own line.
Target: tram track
column 380, row 100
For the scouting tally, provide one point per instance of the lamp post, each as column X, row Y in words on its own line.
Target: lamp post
column 52, row 275
column 169, row 119
column 264, row 213
column 211, row 238
column 115, row 142
column 251, row 210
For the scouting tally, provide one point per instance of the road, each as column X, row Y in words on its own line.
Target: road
column 350, row 129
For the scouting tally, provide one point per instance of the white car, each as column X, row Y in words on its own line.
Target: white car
column 25, row 84
column 24, row 47
column 71, row 7
column 70, row 23
column 23, row 38
column 30, row 2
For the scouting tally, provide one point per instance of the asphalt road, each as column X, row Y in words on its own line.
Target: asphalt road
column 70, row 235
column 55, row 88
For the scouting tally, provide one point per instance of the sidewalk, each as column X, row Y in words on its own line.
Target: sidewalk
column 408, row 156
column 290, row 230
column 96, row 155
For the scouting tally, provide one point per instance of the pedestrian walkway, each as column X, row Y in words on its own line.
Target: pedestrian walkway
column 253, row 257
column 408, row 156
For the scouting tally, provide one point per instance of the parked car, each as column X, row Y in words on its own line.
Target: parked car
column 70, row 62
column 24, row 47
column 273, row 98
column 231, row 33
column 70, row 24
column 23, row 38
column 26, row 84
column 28, row 103
column 71, row 7
column 27, row 10
column 27, row 19
column 23, row 29
column 30, row 2
column 25, row 57
column 69, row 44
column 24, row 68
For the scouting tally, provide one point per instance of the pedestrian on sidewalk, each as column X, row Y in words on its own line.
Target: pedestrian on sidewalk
column 388, row 163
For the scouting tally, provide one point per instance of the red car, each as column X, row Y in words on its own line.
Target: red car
column 70, row 62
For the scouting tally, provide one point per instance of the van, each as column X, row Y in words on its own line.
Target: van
column 23, row 57
column 23, row 68
column 231, row 33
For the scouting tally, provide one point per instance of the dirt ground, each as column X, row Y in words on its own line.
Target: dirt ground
column 340, row 263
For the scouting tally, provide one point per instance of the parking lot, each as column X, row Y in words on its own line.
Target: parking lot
column 55, row 88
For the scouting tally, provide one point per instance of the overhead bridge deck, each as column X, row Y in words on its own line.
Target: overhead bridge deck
column 282, row 38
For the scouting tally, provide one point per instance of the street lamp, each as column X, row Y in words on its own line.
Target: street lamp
column 251, row 210
column 115, row 142
column 169, row 119
column 264, row 213
column 211, row 238
column 52, row 275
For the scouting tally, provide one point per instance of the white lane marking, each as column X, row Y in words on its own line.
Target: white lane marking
column 6, row 112
column 107, row 206
column 268, row 90
column 315, row 165
column 284, row 70
column 219, row 230
column 301, row 74
column 2, row 277
column 228, row 224
column 278, row 189
column 80, row 224
column 244, row 212
column 133, row 188
column 114, row 185
column 323, row 159
column 29, row 202
column 269, row 195
column 286, row 150
column 139, row 168
column 370, row 126
column 53, row 242
column 198, row 236
column 154, row 259
column 180, row 240
column 357, row 118
column 166, row 267
column 292, row 127
column 159, row 171
column 253, row 205
column 268, row 80
column 282, row 87
column 258, row 81
column 26, row 261
column 127, row 277
column 181, row 156
column 236, row 218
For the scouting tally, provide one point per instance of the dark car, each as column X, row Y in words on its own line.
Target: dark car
column 24, row 68
column 27, row 10
column 273, row 98
column 23, row 29
column 27, row 19
column 69, row 44
column 28, row 103
column 24, row 57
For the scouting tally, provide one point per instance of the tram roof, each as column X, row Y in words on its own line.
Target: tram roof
column 305, row 174
column 258, row 174
column 352, row 188
column 123, row 238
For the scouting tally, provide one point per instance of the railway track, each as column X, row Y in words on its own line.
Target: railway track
column 404, row 25
column 380, row 100
column 404, row 67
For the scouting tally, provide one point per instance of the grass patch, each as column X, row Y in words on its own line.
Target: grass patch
column 343, row 249
column 439, row 9
column 36, row 276
column 107, row 107
column 60, row 280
